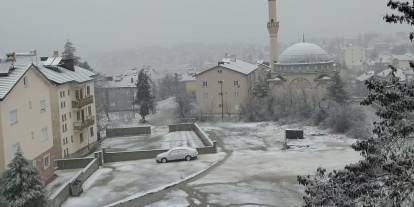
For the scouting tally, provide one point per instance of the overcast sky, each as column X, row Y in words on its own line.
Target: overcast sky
column 104, row 25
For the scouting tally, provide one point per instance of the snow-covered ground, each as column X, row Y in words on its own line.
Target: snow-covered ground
column 63, row 176
column 120, row 180
column 259, row 172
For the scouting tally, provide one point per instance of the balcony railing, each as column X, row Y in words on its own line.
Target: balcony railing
column 79, row 103
column 80, row 125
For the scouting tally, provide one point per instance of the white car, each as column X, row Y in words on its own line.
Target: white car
column 177, row 153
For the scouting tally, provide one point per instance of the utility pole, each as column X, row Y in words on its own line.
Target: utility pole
column 222, row 99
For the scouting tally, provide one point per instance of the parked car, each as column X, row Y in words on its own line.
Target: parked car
column 177, row 153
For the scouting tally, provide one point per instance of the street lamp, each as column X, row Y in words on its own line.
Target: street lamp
column 222, row 98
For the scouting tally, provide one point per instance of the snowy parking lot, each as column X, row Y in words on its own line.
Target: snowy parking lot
column 259, row 172
column 116, row 181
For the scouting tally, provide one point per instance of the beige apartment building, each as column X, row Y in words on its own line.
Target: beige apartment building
column 25, row 111
column 353, row 56
column 72, row 105
column 226, row 87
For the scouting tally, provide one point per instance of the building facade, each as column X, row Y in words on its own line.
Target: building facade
column 72, row 105
column 353, row 56
column 225, row 88
column 25, row 117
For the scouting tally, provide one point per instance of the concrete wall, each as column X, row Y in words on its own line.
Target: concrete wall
column 63, row 193
column 130, row 155
column 180, row 127
column 133, row 131
column 75, row 163
column 202, row 135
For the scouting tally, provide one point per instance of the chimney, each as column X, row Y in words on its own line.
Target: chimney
column 56, row 53
column 69, row 64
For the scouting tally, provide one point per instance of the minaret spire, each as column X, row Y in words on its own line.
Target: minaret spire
column 273, row 28
column 303, row 40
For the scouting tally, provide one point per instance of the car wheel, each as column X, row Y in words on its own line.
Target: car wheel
column 188, row 158
column 164, row 160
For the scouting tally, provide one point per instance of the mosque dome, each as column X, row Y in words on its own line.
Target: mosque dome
column 304, row 53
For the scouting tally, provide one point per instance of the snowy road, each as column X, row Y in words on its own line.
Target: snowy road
column 258, row 172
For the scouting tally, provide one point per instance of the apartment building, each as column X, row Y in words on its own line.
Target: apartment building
column 25, row 111
column 72, row 105
column 353, row 56
column 226, row 87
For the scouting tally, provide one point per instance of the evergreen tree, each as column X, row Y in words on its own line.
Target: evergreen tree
column 336, row 90
column 384, row 177
column 69, row 52
column 144, row 97
column 21, row 185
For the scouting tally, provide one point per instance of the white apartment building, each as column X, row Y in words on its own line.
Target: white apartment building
column 353, row 56
column 72, row 104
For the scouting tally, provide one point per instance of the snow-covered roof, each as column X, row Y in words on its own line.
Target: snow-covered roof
column 126, row 80
column 366, row 76
column 235, row 65
column 405, row 57
column 399, row 73
column 52, row 69
column 304, row 53
column 12, row 72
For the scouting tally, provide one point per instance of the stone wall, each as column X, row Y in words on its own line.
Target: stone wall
column 74, row 163
column 131, row 131
column 181, row 127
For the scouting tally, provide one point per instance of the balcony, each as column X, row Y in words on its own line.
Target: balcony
column 80, row 125
column 79, row 103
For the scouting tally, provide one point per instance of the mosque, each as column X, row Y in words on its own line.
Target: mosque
column 302, row 72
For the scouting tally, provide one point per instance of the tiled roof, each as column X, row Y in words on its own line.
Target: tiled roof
column 62, row 75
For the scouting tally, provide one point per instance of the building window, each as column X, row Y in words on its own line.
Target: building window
column 205, row 84
column 91, row 130
column 81, row 138
column 88, row 90
column 77, row 94
column 13, row 116
column 71, row 138
column 220, row 105
column 46, row 161
column 25, row 82
column 32, row 135
column 45, row 134
column 78, row 115
column 42, row 106
column 236, row 83
column 89, row 110
column 30, row 104
column 220, row 71
column 236, row 94
column 70, row 115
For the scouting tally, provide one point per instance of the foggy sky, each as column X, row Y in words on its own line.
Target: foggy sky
column 105, row 25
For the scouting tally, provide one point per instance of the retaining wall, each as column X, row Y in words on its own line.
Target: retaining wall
column 181, row 127
column 130, row 155
column 192, row 127
column 63, row 193
column 131, row 131
column 74, row 163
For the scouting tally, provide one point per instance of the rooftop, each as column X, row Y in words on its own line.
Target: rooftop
column 304, row 53
column 235, row 65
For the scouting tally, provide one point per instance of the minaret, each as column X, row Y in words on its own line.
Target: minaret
column 273, row 27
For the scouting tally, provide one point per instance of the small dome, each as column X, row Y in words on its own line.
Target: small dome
column 304, row 53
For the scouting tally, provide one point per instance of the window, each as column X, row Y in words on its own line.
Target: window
column 77, row 94
column 89, row 110
column 220, row 105
column 236, row 83
column 236, row 94
column 63, row 93
column 80, row 137
column 30, row 104
column 63, row 119
column 32, row 135
column 68, row 93
column 88, row 90
column 220, row 94
column 71, row 138
column 92, row 133
column 78, row 115
column 205, row 84
column 60, row 94
column 25, row 82
column 220, row 71
column 13, row 116
column 46, row 161
column 45, row 134
column 70, row 115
